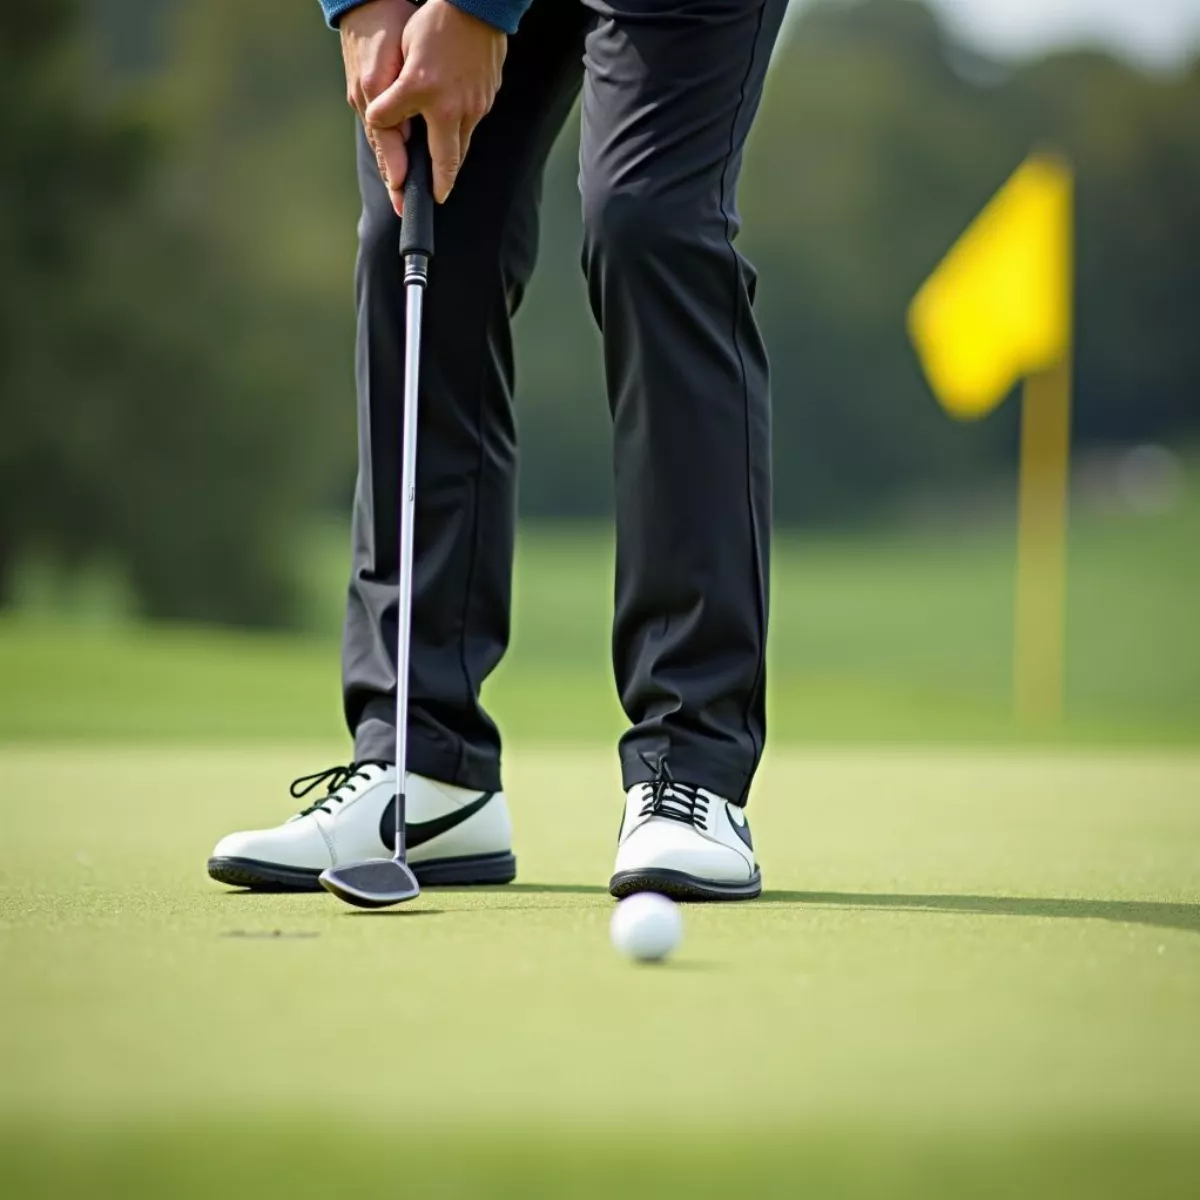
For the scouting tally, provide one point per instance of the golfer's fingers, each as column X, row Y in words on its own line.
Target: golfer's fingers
column 396, row 104
column 377, row 150
column 464, row 135
column 446, row 152
column 355, row 96
column 392, row 155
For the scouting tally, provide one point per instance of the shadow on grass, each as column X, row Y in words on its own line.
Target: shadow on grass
column 400, row 911
column 1128, row 912
column 516, row 891
column 263, row 893
column 537, row 889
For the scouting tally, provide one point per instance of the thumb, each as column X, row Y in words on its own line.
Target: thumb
column 446, row 153
column 396, row 103
column 392, row 155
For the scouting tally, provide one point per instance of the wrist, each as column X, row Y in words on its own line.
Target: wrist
column 502, row 15
column 335, row 10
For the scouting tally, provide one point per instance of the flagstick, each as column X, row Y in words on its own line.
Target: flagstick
column 1042, row 545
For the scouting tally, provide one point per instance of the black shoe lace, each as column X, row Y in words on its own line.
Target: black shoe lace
column 336, row 777
column 675, row 801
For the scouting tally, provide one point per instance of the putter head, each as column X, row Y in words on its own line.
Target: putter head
column 377, row 883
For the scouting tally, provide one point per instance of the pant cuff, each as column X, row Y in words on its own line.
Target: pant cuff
column 465, row 767
column 691, row 765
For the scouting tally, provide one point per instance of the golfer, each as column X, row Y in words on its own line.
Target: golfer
column 669, row 92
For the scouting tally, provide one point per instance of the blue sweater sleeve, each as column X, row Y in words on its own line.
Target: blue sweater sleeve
column 503, row 14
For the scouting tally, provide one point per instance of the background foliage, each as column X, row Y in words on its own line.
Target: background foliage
column 177, row 230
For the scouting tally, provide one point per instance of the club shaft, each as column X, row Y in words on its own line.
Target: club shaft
column 415, row 296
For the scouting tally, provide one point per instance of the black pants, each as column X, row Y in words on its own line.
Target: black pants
column 670, row 88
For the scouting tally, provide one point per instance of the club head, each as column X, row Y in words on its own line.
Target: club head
column 377, row 883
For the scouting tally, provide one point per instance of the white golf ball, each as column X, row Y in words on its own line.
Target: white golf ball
column 647, row 926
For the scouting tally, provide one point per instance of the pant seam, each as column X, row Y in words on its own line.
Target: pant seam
column 756, row 749
column 477, row 483
column 481, row 433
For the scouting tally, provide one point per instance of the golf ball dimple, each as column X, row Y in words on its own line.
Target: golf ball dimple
column 647, row 927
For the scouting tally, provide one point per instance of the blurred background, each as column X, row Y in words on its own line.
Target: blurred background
column 975, row 970
column 177, row 418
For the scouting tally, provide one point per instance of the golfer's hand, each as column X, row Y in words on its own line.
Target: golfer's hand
column 451, row 74
column 373, row 53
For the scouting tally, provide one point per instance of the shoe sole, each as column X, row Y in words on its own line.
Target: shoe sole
column 678, row 885
column 469, row 871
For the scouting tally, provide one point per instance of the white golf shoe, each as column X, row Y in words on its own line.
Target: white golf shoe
column 686, row 843
column 455, row 836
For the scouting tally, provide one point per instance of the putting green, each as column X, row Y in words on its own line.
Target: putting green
column 969, row 973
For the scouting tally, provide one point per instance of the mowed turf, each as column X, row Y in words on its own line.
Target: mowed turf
column 975, row 973
column 971, row 974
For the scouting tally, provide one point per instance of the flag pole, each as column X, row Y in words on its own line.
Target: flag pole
column 1045, row 464
column 1042, row 545
column 999, row 309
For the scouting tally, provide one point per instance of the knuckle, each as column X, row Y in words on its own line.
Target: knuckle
column 372, row 84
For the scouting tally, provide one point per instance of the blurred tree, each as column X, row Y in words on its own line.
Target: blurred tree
column 149, row 384
column 175, row 304
column 1137, row 145
column 63, row 165
column 878, row 141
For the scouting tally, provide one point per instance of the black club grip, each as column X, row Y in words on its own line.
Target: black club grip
column 416, row 226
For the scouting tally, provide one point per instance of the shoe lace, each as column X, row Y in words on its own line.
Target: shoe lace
column 335, row 777
column 664, row 797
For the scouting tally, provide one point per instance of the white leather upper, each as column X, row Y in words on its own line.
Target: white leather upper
column 709, row 849
column 350, row 830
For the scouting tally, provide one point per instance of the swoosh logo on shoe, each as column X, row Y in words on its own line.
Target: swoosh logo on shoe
column 740, row 825
column 417, row 833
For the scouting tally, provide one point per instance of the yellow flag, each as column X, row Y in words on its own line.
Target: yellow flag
column 998, row 308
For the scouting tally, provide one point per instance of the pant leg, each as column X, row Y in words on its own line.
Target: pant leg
column 486, row 237
column 671, row 88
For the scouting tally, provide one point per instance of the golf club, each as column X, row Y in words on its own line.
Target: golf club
column 380, row 883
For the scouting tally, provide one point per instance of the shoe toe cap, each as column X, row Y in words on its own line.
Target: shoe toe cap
column 243, row 844
column 280, row 847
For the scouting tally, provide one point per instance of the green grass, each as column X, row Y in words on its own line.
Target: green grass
column 976, row 971
column 900, row 636
column 971, row 974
